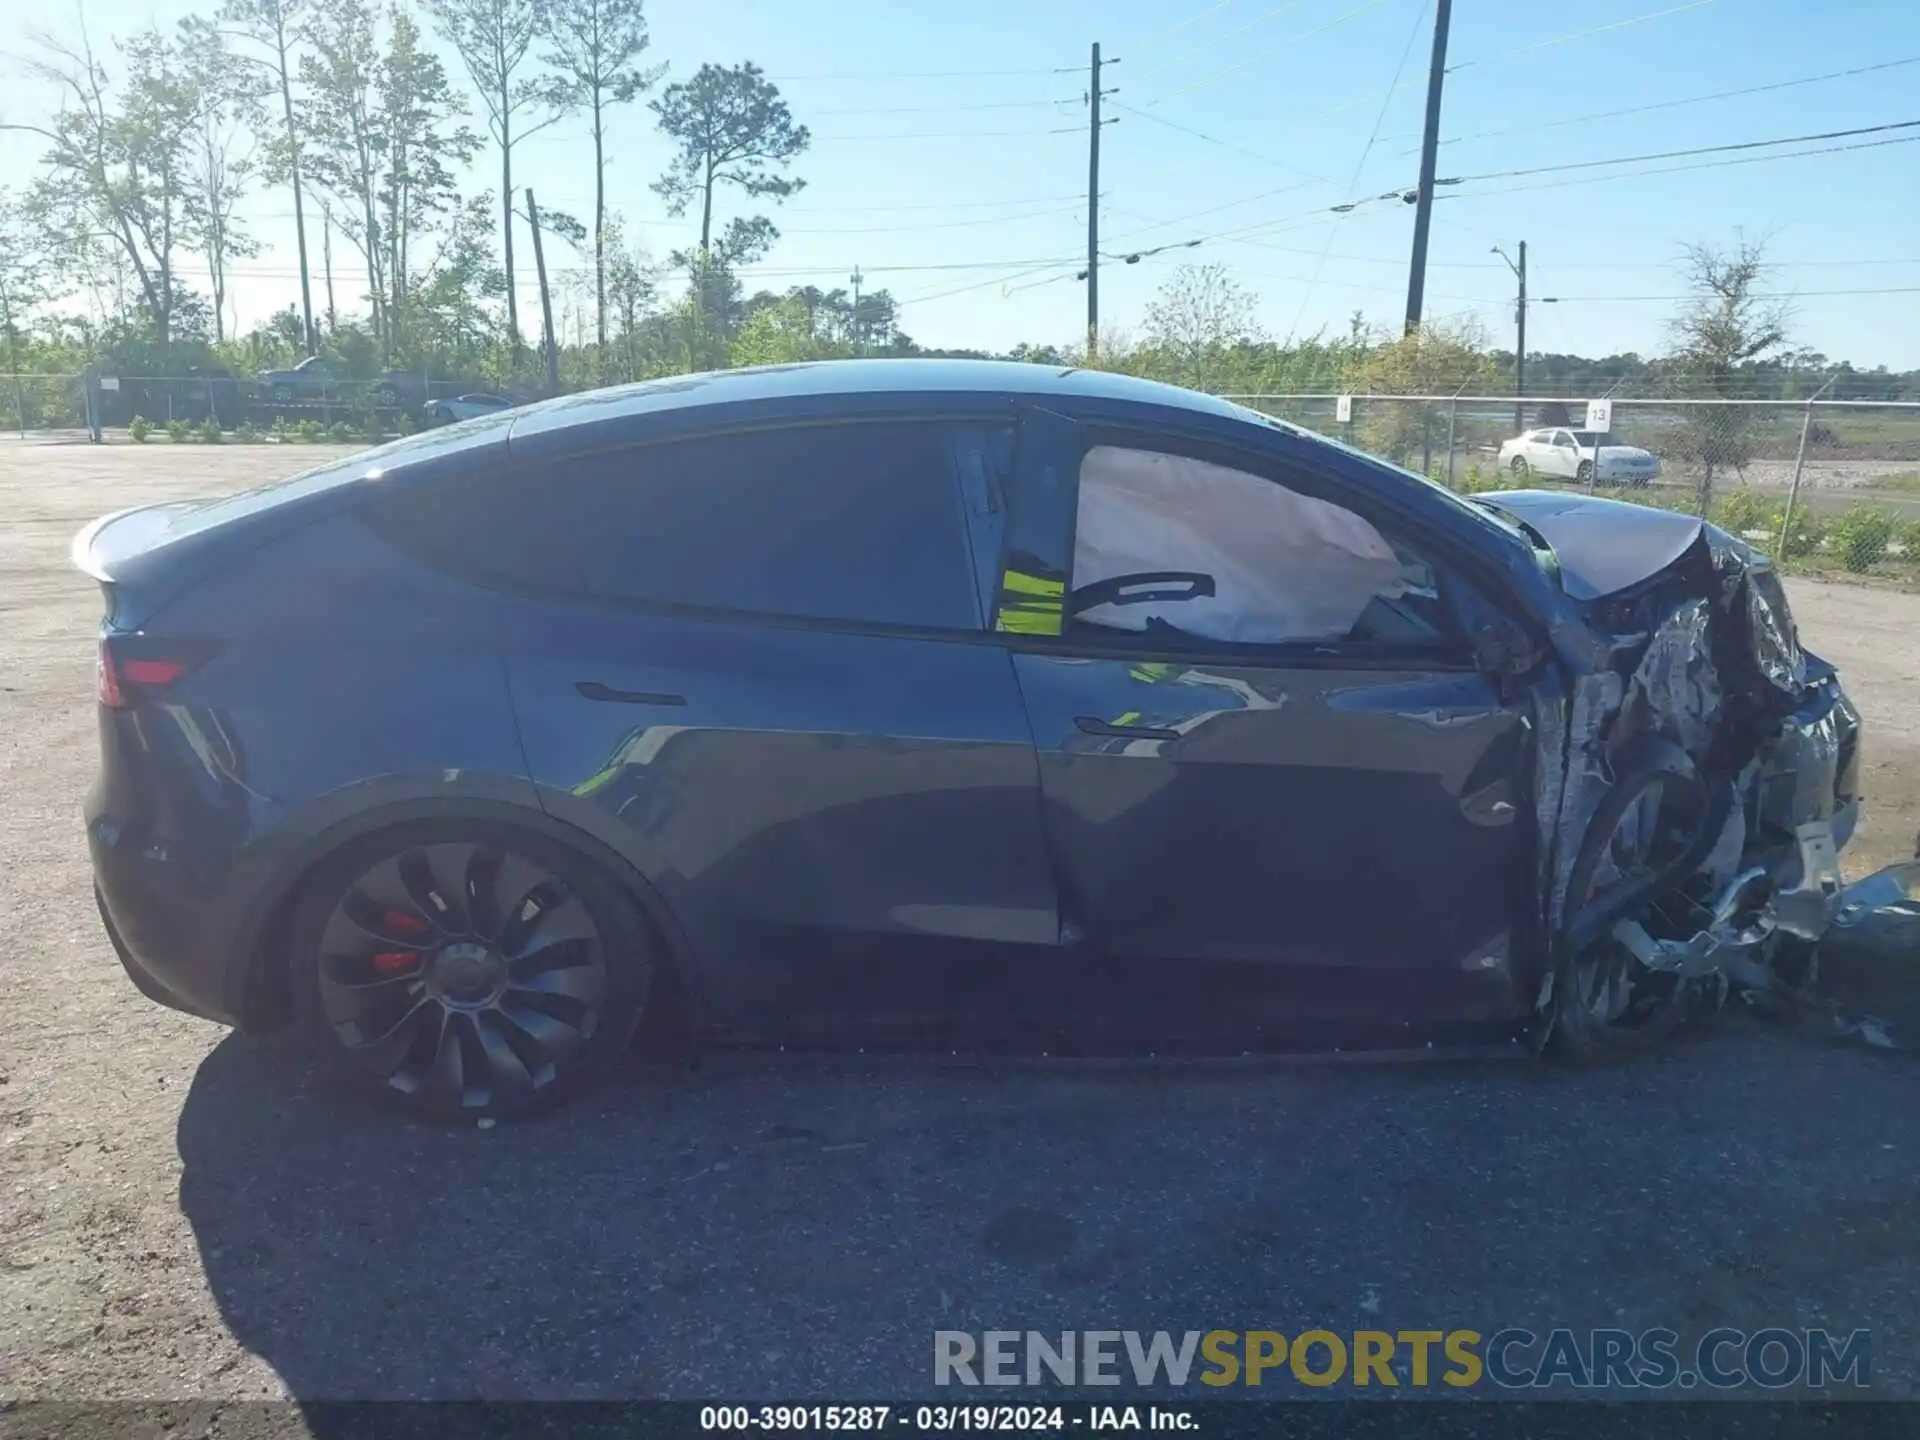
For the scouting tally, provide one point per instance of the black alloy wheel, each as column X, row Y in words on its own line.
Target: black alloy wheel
column 474, row 975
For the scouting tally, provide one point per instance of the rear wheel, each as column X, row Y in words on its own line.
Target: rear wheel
column 1520, row 468
column 386, row 398
column 468, row 970
column 283, row 394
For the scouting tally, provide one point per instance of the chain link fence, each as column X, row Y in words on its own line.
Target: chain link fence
column 1822, row 483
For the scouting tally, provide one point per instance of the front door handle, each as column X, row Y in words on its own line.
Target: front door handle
column 594, row 690
column 1094, row 726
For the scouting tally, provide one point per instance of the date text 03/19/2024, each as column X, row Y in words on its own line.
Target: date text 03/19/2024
column 940, row 1419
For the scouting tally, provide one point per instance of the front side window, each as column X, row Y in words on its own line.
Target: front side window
column 1183, row 550
column 852, row 522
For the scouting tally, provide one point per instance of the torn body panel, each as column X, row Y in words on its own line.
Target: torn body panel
column 1692, row 810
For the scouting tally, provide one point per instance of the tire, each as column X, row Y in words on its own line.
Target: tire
column 386, row 398
column 283, row 394
column 1653, row 1004
column 1521, row 470
column 1583, row 471
column 467, row 970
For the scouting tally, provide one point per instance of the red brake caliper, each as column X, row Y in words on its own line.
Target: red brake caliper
column 406, row 926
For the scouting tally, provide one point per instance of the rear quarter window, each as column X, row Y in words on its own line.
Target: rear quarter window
column 854, row 522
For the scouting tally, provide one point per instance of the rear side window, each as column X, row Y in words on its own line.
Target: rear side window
column 856, row 522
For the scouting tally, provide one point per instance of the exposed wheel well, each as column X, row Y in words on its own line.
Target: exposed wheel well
column 265, row 1002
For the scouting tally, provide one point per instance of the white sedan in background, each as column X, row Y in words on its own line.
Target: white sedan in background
column 1563, row 454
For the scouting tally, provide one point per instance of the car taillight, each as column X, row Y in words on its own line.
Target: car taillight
column 132, row 668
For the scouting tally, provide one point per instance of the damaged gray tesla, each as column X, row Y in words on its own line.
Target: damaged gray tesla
column 945, row 703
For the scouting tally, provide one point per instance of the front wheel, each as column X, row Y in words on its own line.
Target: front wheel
column 1585, row 472
column 1605, row 1001
column 463, row 970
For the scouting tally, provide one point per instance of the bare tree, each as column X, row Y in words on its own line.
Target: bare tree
column 1727, row 325
column 596, row 48
column 493, row 38
column 274, row 27
column 1198, row 314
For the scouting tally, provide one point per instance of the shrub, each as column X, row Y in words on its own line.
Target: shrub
column 307, row 432
column 210, row 431
column 1808, row 531
column 177, row 431
column 341, row 433
column 139, row 430
column 279, row 428
column 246, row 434
column 373, row 433
column 1739, row 511
column 1861, row 535
column 406, row 425
column 1909, row 541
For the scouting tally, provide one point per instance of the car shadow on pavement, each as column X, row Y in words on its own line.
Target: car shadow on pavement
column 776, row 1227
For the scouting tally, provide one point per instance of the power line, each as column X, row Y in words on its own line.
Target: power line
column 1681, row 154
column 1669, row 104
column 1569, row 38
column 1352, row 184
column 918, row 75
column 1177, row 58
column 1214, row 140
column 1680, row 169
column 1793, row 295
column 1260, row 55
column 949, row 134
column 946, row 109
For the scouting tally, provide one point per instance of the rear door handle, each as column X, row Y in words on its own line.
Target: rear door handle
column 1092, row 726
column 594, row 690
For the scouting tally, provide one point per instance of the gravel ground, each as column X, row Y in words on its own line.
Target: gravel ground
column 190, row 1215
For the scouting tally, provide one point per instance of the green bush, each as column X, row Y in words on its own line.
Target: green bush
column 1739, row 511
column 177, row 431
column 1809, row 530
column 279, row 428
column 341, row 433
column 307, row 432
column 406, row 425
column 139, row 430
column 210, row 431
column 1909, row 540
column 1861, row 536
column 246, row 434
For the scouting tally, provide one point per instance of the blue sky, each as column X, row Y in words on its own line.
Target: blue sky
column 949, row 161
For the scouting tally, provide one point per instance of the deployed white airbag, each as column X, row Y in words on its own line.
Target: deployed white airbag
column 1285, row 566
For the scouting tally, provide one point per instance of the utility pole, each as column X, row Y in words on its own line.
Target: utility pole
column 1093, row 206
column 1520, row 342
column 856, row 278
column 1429, row 151
column 546, row 298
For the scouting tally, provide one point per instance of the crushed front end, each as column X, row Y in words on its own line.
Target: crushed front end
column 1699, row 780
